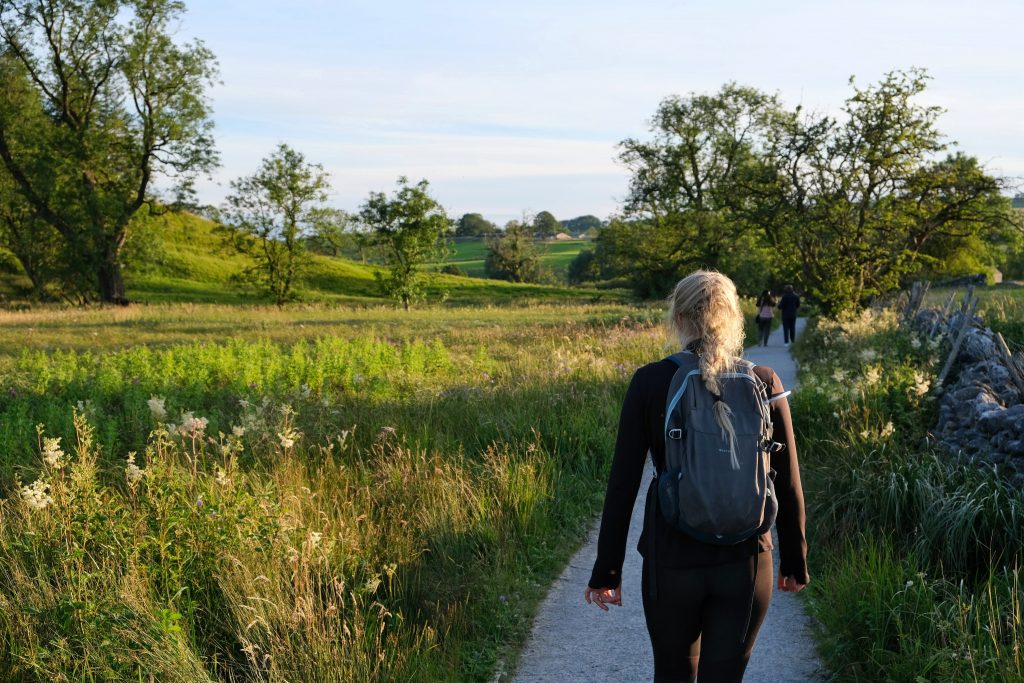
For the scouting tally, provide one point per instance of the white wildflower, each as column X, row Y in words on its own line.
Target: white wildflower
column 915, row 343
column 156, row 407
column 191, row 425
column 888, row 430
column 222, row 477
column 315, row 538
column 238, row 430
column 287, row 438
column 868, row 355
column 304, row 390
column 52, row 453
column 873, row 375
column 37, row 494
column 839, row 375
column 132, row 472
column 921, row 383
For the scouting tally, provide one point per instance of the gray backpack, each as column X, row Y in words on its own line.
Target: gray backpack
column 708, row 490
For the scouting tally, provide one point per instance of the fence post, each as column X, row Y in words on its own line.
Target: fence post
column 1015, row 375
column 965, row 324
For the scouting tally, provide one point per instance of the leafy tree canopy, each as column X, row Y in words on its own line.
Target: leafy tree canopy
column 409, row 228
column 98, row 101
column 271, row 214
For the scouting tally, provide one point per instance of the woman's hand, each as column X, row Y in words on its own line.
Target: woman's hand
column 788, row 584
column 604, row 596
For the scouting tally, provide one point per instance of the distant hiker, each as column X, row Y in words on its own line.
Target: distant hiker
column 788, row 304
column 765, row 313
column 704, row 600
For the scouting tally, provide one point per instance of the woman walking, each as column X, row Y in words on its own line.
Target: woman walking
column 765, row 313
column 711, row 599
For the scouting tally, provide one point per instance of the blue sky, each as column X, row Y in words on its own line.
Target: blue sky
column 508, row 107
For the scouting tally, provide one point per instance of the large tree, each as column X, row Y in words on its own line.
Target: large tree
column 271, row 214
column 869, row 199
column 474, row 225
column 687, row 180
column 99, row 100
column 546, row 225
column 410, row 228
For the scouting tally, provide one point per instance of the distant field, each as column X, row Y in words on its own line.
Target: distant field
column 556, row 256
column 188, row 264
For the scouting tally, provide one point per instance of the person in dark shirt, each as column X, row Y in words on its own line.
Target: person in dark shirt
column 711, row 598
column 788, row 305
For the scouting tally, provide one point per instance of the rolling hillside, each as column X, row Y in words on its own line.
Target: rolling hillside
column 188, row 264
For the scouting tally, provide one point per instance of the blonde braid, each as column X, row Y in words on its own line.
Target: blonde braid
column 705, row 308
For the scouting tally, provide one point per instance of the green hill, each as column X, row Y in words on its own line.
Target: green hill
column 185, row 262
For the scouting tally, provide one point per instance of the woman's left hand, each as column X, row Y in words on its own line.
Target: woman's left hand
column 604, row 596
column 788, row 584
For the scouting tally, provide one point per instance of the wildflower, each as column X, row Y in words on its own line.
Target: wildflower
column 839, row 375
column 921, row 383
column 222, row 477
column 52, row 453
column 238, row 430
column 191, row 425
column 888, row 430
column 36, row 495
column 865, row 434
column 288, row 437
column 132, row 472
column 314, row 538
column 156, row 407
column 868, row 355
column 934, row 343
column 304, row 390
column 909, row 584
column 873, row 375
column 915, row 343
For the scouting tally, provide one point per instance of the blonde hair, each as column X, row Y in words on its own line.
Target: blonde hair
column 705, row 309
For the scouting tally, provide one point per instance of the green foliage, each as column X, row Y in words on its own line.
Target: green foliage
column 582, row 225
column 917, row 555
column 474, row 225
column 514, row 255
column 388, row 508
column 844, row 209
column 270, row 216
column 410, row 229
column 546, row 225
column 98, row 101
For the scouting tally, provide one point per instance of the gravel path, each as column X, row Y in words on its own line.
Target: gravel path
column 573, row 641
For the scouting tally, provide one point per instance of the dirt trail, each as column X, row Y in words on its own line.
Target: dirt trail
column 572, row 641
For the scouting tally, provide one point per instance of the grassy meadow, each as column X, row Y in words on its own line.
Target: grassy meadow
column 917, row 559
column 300, row 495
column 555, row 256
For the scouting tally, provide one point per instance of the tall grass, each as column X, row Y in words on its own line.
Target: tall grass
column 918, row 555
column 368, row 507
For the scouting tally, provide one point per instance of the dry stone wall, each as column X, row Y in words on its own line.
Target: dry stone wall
column 981, row 407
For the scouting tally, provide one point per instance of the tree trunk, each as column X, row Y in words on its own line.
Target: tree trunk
column 111, row 281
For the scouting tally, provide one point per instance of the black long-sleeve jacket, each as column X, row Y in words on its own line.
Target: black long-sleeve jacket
column 641, row 423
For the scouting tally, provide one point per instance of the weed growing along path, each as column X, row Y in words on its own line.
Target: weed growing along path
column 572, row 641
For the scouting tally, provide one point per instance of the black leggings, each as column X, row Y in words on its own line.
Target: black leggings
column 764, row 330
column 700, row 613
